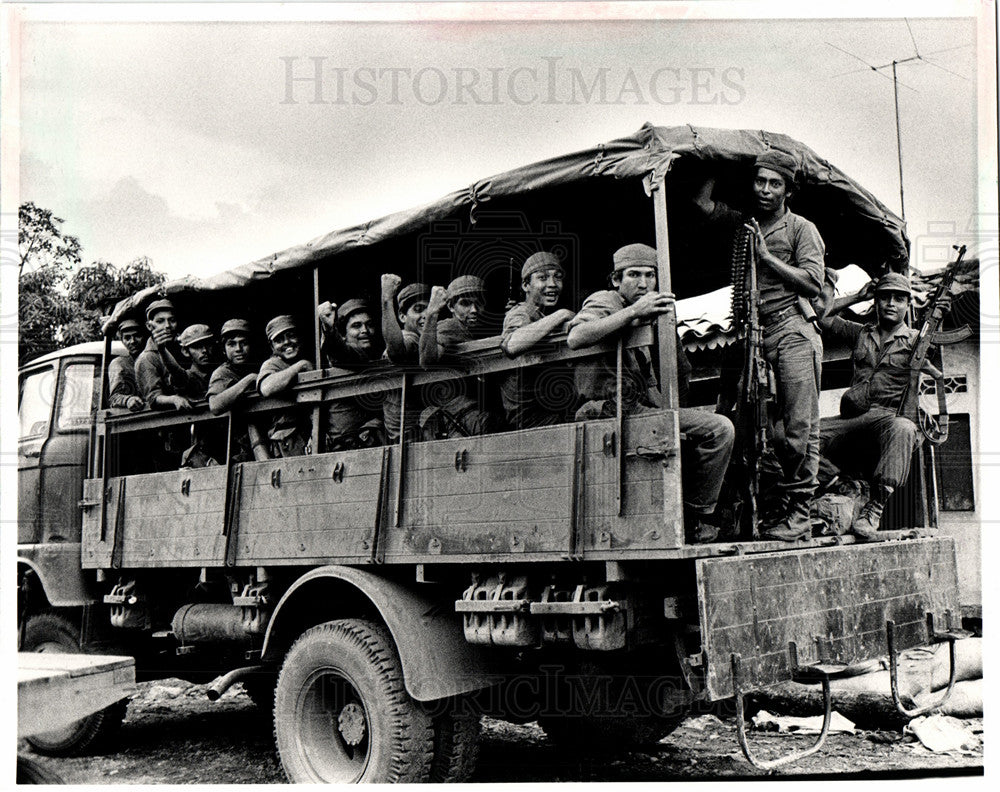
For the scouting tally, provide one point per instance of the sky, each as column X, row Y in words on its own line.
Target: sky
column 186, row 142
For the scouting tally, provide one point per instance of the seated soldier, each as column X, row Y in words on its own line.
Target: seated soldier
column 532, row 397
column 123, row 391
column 233, row 381
column 290, row 429
column 870, row 430
column 198, row 344
column 708, row 438
column 402, row 321
column 451, row 411
column 349, row 343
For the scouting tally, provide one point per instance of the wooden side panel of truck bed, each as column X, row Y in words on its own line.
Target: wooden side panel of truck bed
column 542, row 494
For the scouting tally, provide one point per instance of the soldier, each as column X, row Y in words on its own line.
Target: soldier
column 197, row 341
column 159, row 377
column 869, row 429
column 791, row 252
column 231, row 382
column 524, row 326
column 349, row 343
column 454, row 415
column 290, row 431
column 402, row 321
column 123, row 391
column 708, row 438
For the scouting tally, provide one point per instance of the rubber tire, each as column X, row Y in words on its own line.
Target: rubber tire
column 359, row 663
column 53, row 632
column 456, row 745
column 31, row 772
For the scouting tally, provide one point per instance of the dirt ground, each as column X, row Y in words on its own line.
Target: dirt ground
column 174, row 735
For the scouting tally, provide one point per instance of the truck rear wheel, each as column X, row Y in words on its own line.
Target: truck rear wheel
column 456, row 745
column 52, row 632
column 342, row 713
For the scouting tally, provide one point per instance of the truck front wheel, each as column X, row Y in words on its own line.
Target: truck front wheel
column 342, row 713
column 52, row 632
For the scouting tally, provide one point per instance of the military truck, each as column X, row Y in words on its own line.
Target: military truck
column 379, row 600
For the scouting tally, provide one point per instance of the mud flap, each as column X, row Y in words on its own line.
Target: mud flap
column 832, row 603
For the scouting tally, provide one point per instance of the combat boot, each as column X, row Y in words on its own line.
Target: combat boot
column 697, row 530
column 795, row 526
column 866, row 526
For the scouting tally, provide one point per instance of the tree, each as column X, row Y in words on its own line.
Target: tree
column 41, row 243
column 59, row 302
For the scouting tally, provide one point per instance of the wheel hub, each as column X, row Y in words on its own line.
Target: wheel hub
column 351, row 723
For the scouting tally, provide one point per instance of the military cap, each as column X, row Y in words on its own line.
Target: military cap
column 538, row 262
column 778, row 161
column 464, row 285
column 158, row 305
column 635, row 255
column 894, row 282
column 126, row 324
column 411, row 294
column 278, row 325
column 195, row 334
column 351, row 307
column 233, row 326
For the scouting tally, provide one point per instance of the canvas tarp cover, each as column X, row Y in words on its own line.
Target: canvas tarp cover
column 649, row 152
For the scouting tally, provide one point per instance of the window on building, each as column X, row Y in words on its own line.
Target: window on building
column 953, row 467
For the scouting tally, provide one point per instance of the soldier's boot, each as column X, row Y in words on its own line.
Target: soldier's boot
column 870, row 517
column 697, row 530
column 795, row 525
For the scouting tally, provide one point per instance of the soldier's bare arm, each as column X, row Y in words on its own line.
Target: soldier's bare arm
column 430, row 350
column 526, row 337
column 592, row 331
column 392, row 333
column 219, row 403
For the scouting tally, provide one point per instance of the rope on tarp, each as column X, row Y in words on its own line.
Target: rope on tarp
column 478, row 193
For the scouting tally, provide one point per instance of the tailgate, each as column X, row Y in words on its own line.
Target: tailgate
column 833, row 602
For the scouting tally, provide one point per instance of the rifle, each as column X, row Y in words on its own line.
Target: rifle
column 934, row 429
column 754, row 387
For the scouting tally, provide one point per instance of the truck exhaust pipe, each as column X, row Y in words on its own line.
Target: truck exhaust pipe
column 223, row 683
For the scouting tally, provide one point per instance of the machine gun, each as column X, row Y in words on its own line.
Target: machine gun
column 935, row 429
column 754, row 388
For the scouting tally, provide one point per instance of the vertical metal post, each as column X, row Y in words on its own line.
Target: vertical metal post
column 401, row 453
column 619, row 444
column 666, row 325
column 102, row 395
column 317, row 356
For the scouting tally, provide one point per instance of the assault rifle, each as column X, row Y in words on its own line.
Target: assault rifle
column 934, row 429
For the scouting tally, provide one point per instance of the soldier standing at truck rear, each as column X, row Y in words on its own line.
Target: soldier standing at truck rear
column 532, row 397
column 708, row 438
column 123, row 390
column 791, row 251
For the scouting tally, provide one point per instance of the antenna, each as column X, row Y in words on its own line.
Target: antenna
column 916, row 56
